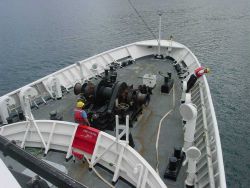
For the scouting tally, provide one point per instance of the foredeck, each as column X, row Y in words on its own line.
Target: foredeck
column 145, row 129
column 210, row 168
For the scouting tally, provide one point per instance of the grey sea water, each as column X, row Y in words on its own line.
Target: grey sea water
column 38, row 37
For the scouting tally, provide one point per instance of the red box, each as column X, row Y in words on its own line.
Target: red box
column 85, row 138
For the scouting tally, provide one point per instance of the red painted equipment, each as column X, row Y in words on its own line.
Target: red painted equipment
column 84, row 141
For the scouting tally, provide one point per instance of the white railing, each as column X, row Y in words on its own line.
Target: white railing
column 210, row 167
column 77, row 72
column 57, row 135
column 114, row 155
column 213, row 136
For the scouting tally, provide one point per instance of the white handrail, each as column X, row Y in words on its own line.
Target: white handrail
column 122, row 155
column 60, row 134
column 220, row 163
column 67, row 130
column 217, row 136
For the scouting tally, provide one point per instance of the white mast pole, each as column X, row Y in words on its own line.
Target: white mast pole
column 159, row 39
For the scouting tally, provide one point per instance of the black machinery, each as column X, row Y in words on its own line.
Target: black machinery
column 168, row 83
column 174, row 165
column 110, row 97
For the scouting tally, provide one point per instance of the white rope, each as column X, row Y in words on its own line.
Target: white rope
column 99, row 175
column 159, row 131
column 157, row 139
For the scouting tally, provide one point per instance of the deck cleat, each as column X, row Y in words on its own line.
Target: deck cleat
column 174, row 165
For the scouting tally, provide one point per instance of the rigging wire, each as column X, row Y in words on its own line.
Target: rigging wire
column 145, row 23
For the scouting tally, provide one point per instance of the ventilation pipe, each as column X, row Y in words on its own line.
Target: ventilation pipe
column 25, row 95
column 159, row 39
column 55, row 87
column 187, row 100
column 189, row 113
column 192, row 154
column 5, row 101
column 184, row 89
